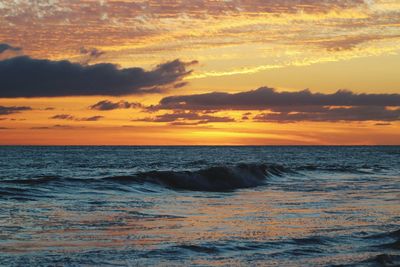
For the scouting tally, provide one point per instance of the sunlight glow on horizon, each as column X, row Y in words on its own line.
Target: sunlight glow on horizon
column 230, row 47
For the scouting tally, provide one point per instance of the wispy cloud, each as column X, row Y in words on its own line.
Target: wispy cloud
column 150, row 30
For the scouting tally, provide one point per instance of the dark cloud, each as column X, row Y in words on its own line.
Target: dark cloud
column 40, row 128
column 284, row 107
column 14, row 119
column 360, row 113
column 246, row 116
column 179, row 85
column 383, row 124
column 27, row 77
column 109, row 105
column 73, row 118
column 13, row 109
column 185, row 123
column 57, row 126
column 62, row 117
column 4, row 47
column 90, row 54
column 93, row 118
column 186, row 118
column 267, row 98
column 61, row 126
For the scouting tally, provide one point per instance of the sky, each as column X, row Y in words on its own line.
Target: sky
column 200, row 72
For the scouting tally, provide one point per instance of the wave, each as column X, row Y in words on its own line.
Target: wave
column 44, row 180
column 341, row 169
column 209, row 249
column 218, row 179
column 384, row 259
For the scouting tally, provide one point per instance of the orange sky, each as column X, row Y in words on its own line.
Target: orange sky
column 222, row 46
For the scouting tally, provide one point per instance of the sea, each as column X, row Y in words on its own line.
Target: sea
column 199, row 206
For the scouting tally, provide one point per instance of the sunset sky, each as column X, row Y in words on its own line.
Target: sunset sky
column 199, row 72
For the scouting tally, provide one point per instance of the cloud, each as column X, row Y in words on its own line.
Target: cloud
column 266, row 98
column 57, row 126
column 40, row 128
column 246, row 116
column 361, row 113
column 27, row 77
column 90, row 54
column 6, row 47
column 286, row 107
column 104, row 11
column 186, row 118
column 62, row 117
column 147, row 30
column 73, row 118
column 109, row 105
column 92, row 118
column 348, row 42
column 383, row 124
column 13, row 109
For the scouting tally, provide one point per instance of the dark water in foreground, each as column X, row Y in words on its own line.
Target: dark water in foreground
column 179, row 206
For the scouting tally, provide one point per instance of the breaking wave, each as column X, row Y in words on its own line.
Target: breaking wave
column 213, row 179
column 218, row 179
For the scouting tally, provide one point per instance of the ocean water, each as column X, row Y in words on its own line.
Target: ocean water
column 199, row 206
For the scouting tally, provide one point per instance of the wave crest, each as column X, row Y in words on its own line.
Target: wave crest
column 218, row 179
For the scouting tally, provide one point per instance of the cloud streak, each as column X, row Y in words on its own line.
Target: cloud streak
column 27, row 77
column 109, row 105
column 186, row 118
column 73, row 118
column 364, row 113
column 57, row 126
column 13, row 109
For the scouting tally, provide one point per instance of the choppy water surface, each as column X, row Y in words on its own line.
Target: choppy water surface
column 128, row 206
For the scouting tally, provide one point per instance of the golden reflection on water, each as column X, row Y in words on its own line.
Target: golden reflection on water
column 247, row 215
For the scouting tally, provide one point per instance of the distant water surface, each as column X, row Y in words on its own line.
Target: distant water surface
column 199, row 206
